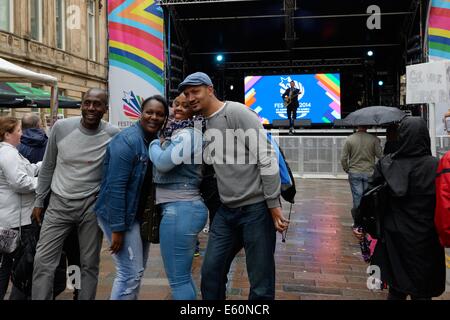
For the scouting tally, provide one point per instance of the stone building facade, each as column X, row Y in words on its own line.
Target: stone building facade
column 63, row 38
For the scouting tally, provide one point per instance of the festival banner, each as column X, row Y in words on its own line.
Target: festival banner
column 136, row 57
column 439, row 30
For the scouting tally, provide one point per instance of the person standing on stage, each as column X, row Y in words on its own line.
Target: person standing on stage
column 290, row 98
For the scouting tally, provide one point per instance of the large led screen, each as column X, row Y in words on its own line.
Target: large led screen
column 319, row 97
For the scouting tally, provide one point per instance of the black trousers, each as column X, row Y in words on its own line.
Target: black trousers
column 5, row 274
column 72, row 248
column 6, row 265
column 292, row 115
column 209, row 191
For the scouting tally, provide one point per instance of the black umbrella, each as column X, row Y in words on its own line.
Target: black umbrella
column 374, row 116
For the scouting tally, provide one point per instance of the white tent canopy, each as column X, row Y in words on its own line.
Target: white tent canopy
column 10, row 72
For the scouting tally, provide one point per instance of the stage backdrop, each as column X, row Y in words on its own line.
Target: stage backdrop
column 319, row 100
column 136, row 57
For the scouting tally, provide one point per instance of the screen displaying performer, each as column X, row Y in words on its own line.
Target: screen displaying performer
column 314, row 96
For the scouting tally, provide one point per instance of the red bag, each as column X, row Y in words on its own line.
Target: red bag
column 442, row 213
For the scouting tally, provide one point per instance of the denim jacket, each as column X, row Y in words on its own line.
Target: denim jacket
column 177, row 164
column 125, row 165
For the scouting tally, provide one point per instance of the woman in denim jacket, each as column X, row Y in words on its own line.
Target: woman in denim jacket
column 125, row 186
column 177, row 161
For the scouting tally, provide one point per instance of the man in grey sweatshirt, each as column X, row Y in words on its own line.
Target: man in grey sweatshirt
column 249, row 188
column 72, row 171
column 359, row 154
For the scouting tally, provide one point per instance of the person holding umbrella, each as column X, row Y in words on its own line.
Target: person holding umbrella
column 361, row 148
column 359, row 154
column 358, row 160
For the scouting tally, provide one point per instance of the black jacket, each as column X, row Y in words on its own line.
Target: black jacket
column 296, row 92
column 32, row 144
column 409, row 254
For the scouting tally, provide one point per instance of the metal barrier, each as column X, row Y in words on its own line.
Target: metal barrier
column 320, row 156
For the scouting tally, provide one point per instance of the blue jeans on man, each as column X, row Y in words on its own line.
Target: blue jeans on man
column 358, row 184
column 130, row 261
column 253, row 225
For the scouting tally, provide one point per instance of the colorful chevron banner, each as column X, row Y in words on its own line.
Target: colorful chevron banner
column 331, row 83
column 439, row 30
column 136, row 57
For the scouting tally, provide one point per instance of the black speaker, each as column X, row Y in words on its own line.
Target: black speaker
column 302, row 123
column 279, row 123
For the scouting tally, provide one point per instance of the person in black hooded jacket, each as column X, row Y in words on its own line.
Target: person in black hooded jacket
column 34, row 140
column 410, row 257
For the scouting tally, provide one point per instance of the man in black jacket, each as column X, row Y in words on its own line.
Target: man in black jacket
column 290, row 98
column 34, row 140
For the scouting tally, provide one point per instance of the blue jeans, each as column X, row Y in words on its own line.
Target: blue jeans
column 180, row 225
column 253, row 226
column 358, row 184
column 130, row 262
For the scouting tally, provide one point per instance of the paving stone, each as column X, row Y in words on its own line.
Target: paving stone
column 318, row 290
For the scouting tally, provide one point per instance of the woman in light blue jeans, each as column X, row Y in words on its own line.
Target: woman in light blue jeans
column 124, row 192
column 177, row 178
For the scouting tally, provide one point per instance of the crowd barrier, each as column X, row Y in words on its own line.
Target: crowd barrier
column 320, row 156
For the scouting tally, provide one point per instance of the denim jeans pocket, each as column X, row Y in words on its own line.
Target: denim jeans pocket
column 169, row 210
column 199, row 215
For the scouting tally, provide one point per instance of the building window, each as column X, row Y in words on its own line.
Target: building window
column 91, row 29
column 6, row 15
column 60, row 14
column 36, row 19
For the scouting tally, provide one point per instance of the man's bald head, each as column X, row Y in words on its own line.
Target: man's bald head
column 93, row 107
column 99, row 92
column 30, row 120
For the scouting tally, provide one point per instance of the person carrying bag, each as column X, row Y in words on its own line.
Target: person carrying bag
column 18, row 182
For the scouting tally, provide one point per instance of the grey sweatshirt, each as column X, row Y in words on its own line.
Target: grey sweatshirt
column 246, row 182
column 73, row 161
column 359, row 152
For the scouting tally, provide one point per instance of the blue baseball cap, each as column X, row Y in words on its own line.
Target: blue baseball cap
column 195, row 79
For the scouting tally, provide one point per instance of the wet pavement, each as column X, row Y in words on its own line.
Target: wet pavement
column 320, row 259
